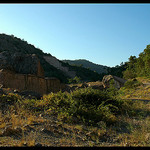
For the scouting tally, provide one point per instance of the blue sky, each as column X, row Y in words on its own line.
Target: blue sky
column 105, row 34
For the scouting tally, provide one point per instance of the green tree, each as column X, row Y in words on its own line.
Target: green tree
column 138, row 66
column 74, row 80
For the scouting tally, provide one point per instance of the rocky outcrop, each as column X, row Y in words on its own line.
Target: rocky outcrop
column 21, row 63
column 28, row 82
column 25, row 73
column 56, row 63
column 118, row 82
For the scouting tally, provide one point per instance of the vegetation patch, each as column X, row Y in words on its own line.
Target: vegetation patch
column 86, row 105
column 84, row 117
column 132, row 84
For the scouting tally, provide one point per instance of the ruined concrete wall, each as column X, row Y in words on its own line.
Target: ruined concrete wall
column 34, row 83
column 29, row 82
column 11, row 80
column 53, row 85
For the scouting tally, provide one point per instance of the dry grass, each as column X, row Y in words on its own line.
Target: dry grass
column 130, row 130
column 140, row 92
column 143, row 79
column 139, row 133
column 80, row 135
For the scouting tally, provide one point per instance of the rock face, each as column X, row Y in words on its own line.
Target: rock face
column 56, row 63
column 118, row 82
column 21, row 63
column 25, row 73
column 28, row 82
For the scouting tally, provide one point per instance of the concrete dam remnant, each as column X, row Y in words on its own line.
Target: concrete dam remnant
column 29, row 82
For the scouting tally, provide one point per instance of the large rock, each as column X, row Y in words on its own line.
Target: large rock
column 118, row 82
column 21, row 63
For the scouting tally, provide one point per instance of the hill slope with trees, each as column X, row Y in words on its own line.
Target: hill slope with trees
column 12, row 44
column 100, row 69
column 88, row 64
column 138, row 66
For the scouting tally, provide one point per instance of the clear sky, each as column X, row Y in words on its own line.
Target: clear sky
column 105, row 34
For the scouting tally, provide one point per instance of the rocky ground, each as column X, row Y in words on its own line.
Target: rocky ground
column 45, row 130
column 19, row 127
column 48, row 131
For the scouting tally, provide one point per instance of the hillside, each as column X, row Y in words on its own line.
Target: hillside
column 88, row 64
column 52, row 66
column 12, row 45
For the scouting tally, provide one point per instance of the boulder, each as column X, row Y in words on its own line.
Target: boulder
column 118, row 82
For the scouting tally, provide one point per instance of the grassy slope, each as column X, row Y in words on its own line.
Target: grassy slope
column 140, row 92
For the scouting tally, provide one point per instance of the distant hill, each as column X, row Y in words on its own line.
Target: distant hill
column 100, row 69
column 87, row 64
column 52, row 66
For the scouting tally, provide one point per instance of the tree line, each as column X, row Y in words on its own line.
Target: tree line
column 138, row 66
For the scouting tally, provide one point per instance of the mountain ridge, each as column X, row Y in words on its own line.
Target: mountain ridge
column 88, row 64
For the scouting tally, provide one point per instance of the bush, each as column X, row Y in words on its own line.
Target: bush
column 87, row 105
column 129, row 74
column 74, row 80
column 112, row 90
column 9, row 99
column 132, row 83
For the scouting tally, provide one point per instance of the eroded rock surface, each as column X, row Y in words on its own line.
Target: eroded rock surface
column 21, row 63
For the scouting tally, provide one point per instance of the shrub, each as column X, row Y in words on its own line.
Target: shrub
column 9, row 99
column 129, row 74
column 74, row 80
column 112, row 90
column 87, row 105
column 132, row 83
